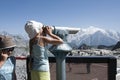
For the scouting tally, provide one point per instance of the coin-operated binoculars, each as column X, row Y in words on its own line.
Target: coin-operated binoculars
column 60, row 51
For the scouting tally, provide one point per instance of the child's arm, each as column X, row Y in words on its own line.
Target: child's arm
column 54, row 39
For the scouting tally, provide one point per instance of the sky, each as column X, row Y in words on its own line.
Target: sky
column 103, row 14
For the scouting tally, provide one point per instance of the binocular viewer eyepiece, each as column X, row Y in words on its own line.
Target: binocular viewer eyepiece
column 69, row 29
column 62, row 31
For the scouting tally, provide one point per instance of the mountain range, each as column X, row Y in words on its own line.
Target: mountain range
column 94, row 36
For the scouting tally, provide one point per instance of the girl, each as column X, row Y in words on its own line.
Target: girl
column 38, row 51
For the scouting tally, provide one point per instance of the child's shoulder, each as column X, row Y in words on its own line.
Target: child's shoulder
column 13, row 59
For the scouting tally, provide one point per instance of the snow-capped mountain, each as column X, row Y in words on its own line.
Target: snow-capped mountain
column 94, row 36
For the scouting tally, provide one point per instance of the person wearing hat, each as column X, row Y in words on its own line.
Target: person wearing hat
column 7, row 62
column 38, row 50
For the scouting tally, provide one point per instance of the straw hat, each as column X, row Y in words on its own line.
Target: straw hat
column 6, row 42
column 32, row 28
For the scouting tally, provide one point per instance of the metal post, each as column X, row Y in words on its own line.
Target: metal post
column 60, row 66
